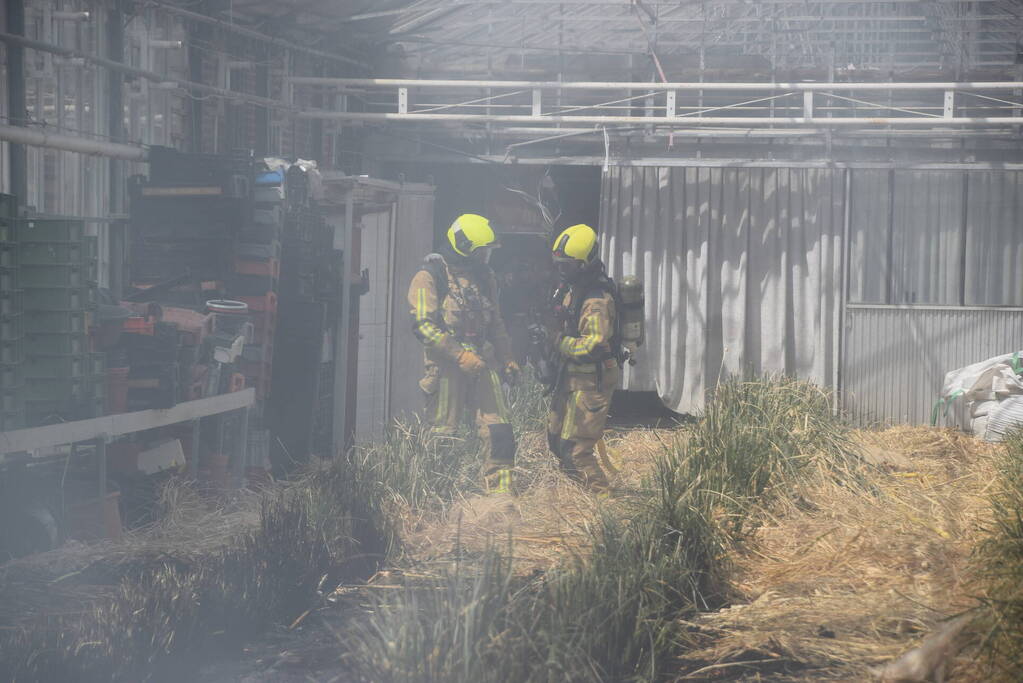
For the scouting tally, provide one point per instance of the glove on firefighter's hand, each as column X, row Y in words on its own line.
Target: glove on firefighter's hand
column 470, row 363
column 512, row 372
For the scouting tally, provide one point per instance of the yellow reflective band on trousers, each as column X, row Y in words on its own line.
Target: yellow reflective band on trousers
column 570, row 406
column 503, row 482
column 442, row 402
column 502, row 407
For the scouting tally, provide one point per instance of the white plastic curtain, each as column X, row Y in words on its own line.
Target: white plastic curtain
column 741, row 268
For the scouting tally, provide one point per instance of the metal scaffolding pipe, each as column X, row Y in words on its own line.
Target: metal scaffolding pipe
column 611, row 85
column 664, row 121
column 71, row 143
column 256, row 35
column 21, row 41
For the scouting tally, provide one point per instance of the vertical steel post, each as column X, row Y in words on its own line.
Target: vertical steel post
column 193, row 464
column 262, row 146
column 342, row 333
column 17, row 157
column 101, row 465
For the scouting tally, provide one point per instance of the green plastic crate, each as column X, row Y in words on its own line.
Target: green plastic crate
column 96, row 387
column 90, row 247
column 8, row 205
column 8, row 279
column 74, row 275
column 54, row 389
column 12, row 350
column 12, row 376
column 70, row 344
column 11, row 420
column 51, row 253
column 9, row 255
column 49, row 230
column 11, row 400
column 11, row 302
column 98, row 366
column 59, row 298
column 56, row 367
column 62, row 322
column 12, row 326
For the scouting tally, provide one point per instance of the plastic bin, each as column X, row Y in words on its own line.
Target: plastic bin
column 75, row 343
column 42, row 230
column 55, row 322
column 51, row 253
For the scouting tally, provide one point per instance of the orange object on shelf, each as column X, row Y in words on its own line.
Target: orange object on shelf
column 237, row 382
column 261, row 304
column 271, row 268
column 139, row 325
column 117, row 390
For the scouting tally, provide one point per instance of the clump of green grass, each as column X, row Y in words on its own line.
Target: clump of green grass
column 424, row 470
column 169, row 612
column 1001, row 562
column 611, row 614
column 758, row 437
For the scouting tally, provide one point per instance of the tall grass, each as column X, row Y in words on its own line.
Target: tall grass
column 169, row 612
column 423, row 470
column 759, row 437
column 1001, row 562
column 613, row 613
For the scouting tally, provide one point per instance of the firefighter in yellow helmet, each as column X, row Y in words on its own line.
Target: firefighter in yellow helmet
column 453, row 300
column 586, row 346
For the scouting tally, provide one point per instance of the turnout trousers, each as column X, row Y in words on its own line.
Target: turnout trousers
column 576, row 422
column 449, row 393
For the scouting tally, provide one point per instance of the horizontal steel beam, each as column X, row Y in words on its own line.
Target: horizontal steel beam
column 662, row 121
column 255, row 35
column 632, row 85
column 570, row 160
column 152, row 76
column 38, row 137
column 110, row 426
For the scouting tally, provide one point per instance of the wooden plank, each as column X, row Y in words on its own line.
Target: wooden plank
column 125, row 423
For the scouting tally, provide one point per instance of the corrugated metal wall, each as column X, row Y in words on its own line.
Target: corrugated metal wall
column 743, row 268
column 742, row 271
column 897, row 357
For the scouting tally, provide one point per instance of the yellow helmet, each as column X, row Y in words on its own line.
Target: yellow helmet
column 469, row 232
column 577, row 243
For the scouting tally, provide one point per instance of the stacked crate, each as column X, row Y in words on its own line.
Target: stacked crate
column 57, row 280
column 257, row 271
column 12, row 405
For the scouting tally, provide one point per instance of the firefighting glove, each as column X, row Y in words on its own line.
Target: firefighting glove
column 470, row 363
column 512, row 373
